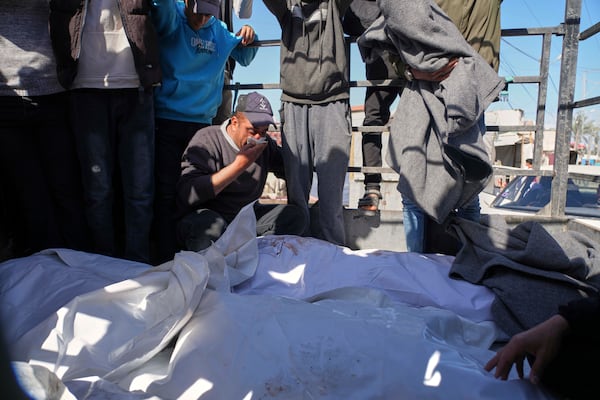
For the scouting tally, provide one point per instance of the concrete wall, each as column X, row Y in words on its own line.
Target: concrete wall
column 385, row 230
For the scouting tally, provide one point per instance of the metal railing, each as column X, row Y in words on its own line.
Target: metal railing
column 570, row 31
column 566, row 104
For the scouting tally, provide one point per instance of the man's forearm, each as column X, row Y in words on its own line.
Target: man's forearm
column 225, row 176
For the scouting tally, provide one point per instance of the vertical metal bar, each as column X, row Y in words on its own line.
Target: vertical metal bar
column 226, row 13
column 564, row 121
column 347, row 43
column 538, row 146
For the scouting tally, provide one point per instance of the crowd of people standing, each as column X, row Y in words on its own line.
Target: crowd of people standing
column 100, row 100
column 131, row 83
column 108, row 140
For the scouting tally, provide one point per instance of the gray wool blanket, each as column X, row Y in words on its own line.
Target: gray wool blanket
column 531, row 270
column 436, row 144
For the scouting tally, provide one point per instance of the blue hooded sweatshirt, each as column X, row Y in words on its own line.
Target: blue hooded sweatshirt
column 193, row 63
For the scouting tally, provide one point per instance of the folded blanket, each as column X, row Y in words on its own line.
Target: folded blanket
column 531, row 270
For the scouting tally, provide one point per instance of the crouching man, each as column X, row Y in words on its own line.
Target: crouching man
column 224, row 168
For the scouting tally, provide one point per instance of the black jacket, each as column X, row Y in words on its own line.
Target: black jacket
column 583, row 316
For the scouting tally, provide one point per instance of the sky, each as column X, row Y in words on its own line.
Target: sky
column 519, row 56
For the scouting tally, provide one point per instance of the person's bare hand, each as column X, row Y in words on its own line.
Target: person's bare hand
column 436, row 76
column 247, row 154
column 247, row 34
column 542, row 341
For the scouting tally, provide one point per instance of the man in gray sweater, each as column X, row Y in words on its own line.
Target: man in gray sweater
column 223, row 169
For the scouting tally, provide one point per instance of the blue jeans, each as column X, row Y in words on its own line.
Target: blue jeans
column 414, row 219
column 114, row 131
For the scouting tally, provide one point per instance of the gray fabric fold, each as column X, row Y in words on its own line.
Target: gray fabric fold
column 531, row 270
column 436, row 143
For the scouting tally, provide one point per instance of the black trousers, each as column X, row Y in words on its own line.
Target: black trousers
column 378, row 101
column 40, row 181
column 172, row 138
column 197, row 230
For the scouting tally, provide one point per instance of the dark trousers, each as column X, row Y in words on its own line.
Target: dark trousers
column 199, row 229
column 172, row 138
column 378, row 101
column 114, row 131
column 40, row 179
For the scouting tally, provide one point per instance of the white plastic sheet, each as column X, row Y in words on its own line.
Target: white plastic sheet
column 177, row 332
column 302, row 268
column 32, row 288
column 110, row 331
column 257, row 347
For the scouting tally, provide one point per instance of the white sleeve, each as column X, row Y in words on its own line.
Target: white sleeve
column 242, row 8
